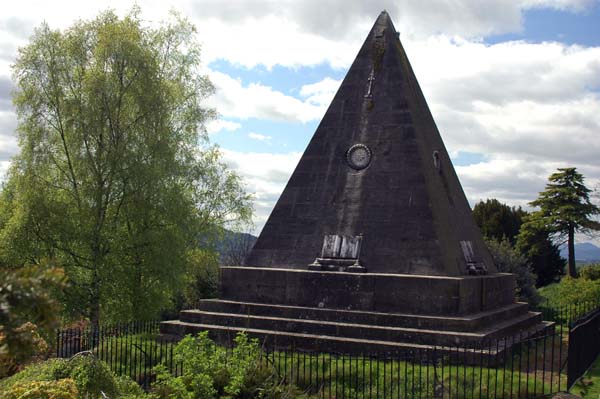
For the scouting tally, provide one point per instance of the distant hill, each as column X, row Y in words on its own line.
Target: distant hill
column 234, row 247
column 585, row 252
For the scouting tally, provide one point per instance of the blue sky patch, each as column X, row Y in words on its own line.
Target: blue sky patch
column 545, row 24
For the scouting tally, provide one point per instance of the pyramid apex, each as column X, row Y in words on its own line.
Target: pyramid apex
column 383, row 14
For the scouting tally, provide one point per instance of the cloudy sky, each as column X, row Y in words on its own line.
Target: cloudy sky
column 514, row 85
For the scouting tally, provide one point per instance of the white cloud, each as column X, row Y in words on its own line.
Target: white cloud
column 265, row 175
column 517, row 100
column 219, row 125
column 8, row 138
column 322, row 92
column 5, row 89
column 290, row 32
column 345, row 20
column 4, row 165
column 573, row 5
column 234, row 99
column 259, row 137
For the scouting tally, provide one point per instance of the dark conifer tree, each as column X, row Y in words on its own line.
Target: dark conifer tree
column 565, row 208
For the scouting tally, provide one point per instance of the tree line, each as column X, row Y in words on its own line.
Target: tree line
column 534, row 238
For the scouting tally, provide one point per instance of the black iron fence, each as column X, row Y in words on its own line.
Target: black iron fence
column 512, row 368
column 567, row 314
column 584, row 345
column 130, row 349
column 516, row 367
column 520, row 366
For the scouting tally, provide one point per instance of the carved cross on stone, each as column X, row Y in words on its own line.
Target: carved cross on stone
column 371, row 79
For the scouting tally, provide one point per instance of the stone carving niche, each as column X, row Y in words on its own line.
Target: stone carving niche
column 339, row 253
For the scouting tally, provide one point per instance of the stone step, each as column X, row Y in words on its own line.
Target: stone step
column 315, row 343
column 362, row 331
column 469, row 322
column 508, row 328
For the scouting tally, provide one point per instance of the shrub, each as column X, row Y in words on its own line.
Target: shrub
column 28, row 313
column 32, row 347
column 90, row 377
column 61, row 389
column 509, row 260
column 590, row 272
column 570, row 291
column 210, row 371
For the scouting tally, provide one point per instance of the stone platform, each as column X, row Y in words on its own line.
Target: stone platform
column 407, row 293
column 342, row 312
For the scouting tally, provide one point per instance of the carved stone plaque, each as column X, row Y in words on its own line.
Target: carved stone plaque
column 350, row 246
column 358, row 156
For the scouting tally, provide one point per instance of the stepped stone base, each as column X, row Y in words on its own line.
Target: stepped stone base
column 330, row 311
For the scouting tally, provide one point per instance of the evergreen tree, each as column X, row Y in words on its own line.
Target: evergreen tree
column 543, row 255
column 565, row 208
column 497, row 220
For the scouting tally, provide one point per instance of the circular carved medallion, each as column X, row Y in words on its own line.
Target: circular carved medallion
column 358, row 156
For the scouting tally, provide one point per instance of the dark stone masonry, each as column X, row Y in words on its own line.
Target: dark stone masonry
column 372, row 245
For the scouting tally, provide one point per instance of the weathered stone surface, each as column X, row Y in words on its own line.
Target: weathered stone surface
column 413, row 294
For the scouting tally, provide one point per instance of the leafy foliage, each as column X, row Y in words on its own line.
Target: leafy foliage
column 209, row 371
column 82, row 376
column 27, row 309
column 565, row 208
column 497, row 220
column 203, row 278
column 509, row 260
column 542, row 254
column 116, row 179
column 61, row 389
column 590, row 272
column 570, row 291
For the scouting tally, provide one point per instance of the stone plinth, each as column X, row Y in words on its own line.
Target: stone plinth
column 404, row 293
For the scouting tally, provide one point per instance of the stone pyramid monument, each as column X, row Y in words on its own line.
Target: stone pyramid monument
column 372, row 244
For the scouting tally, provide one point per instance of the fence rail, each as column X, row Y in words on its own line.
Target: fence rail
column 514, row 367
column 566, row 315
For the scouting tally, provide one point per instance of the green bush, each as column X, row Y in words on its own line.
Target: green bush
column 510, row 260
column 590, row 272
column 28, row 313
column 61, row 389
column 90, row 377
column 210, row 372
column 142, row 348
column 570, row 291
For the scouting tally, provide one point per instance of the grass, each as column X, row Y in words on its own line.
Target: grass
column 355, row 377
